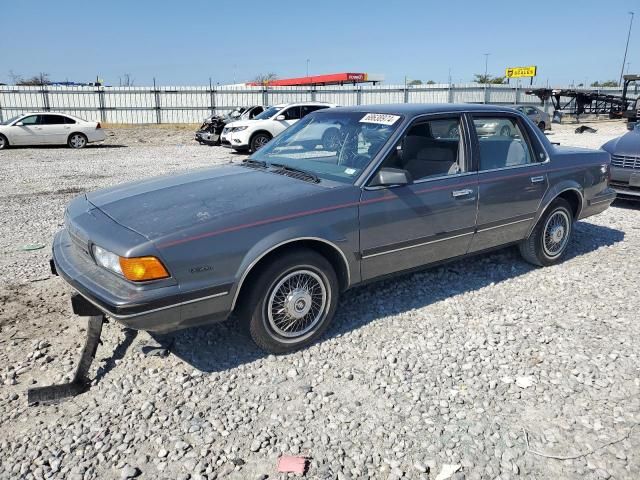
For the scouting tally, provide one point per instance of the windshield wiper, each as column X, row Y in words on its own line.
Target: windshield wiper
column 250, row 162
column 295, row 172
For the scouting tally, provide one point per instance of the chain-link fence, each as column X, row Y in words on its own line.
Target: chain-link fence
column 139, row 105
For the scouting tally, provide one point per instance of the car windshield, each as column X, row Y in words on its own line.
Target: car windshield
column 268, row 113
column 12, row 119
column 331, row 145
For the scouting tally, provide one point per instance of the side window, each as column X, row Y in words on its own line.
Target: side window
column 256, row 111
column 307, row 109
column 429, row 149
column 52, row 120
column 30, row 120
column 531, row 111
column 502, row 143
column 69, row 121
column 292, row 113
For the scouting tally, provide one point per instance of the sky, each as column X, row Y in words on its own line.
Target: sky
column 189, row 42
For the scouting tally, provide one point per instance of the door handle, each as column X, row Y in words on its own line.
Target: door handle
column 461, row 193
column 537, row 179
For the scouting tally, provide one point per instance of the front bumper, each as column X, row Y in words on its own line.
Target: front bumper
column 162, row 309
column 621, row 179
column 236, row 140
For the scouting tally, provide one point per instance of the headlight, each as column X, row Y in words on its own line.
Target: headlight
column 106, row 259
column 238, row 129
column 136, row 269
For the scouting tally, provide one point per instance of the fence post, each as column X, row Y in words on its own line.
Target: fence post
column 102, row 105
column 517, row 100
column 265, row 96
column 358, row 95
column 487, row 94
column 212, row 98
column 45, row 99
column 313, row 94
column 406, row 93
column 450, row 93
column 156, row 94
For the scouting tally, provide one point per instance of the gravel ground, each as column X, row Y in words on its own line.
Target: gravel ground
column 491, row 366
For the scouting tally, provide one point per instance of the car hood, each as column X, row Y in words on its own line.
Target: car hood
column 627, row 144
column 164, row 206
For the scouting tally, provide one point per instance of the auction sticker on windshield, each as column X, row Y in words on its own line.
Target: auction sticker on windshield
column 380, row 118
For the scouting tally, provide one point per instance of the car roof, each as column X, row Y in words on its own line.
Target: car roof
column 48, row 113
column 413, row 109
column 296, row 104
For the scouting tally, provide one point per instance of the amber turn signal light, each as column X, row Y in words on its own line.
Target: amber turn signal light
column 140, row 269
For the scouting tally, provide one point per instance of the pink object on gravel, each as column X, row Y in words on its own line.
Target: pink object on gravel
column 290, row 464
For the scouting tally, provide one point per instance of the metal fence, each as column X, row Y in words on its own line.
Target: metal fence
column 140, row 105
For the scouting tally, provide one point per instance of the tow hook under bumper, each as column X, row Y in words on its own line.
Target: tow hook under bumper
column 80, row 382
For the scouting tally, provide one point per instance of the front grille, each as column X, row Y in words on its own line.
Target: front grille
column 625, row 161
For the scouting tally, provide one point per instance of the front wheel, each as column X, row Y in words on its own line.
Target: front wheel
column 259, row 140
column 77, row 140
column 292, row 302
column 550, row 237
column 4, row 143
column 542, row 126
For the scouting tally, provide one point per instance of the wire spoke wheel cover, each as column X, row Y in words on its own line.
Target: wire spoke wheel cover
column 556, row 233
column 297, row 303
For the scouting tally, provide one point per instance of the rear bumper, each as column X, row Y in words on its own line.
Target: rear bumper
column 161, row 309
column 599, row 203
column 625, row 191
column 97, row 135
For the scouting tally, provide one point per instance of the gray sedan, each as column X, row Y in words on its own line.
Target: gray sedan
column 537, row 116
column 277, row 238
column 625, row 163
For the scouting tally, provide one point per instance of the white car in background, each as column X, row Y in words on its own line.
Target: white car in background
column 43, row 128
column 251, row 135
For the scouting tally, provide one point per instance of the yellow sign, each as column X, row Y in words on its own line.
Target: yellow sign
column 519, row 72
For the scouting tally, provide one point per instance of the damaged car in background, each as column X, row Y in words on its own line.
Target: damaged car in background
column 277, row 238
column 211, row 129
column 625, row 163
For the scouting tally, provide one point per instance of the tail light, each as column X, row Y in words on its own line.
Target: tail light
column 98, row 126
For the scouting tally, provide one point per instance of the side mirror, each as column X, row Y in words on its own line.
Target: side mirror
column 280, row 118
column 19, row 124
column 391, row 176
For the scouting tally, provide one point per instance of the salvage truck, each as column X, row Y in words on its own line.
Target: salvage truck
column 277, row 238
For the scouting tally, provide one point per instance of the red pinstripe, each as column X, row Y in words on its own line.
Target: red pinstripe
column 384, row 198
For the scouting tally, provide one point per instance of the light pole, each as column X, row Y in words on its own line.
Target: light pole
column 624, row 60
column 308, row 67
column 486, row 64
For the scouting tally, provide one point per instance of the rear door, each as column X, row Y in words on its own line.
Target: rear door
column 512, row 180
column 54, row 129
column 433, row 218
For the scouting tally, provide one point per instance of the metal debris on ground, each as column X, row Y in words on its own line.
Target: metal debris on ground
column 584, row 128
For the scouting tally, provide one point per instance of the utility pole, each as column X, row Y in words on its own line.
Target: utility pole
column 308, row 67
column 486, row 64
column 624, row 60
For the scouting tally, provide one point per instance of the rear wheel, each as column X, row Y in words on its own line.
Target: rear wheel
column 291, row 302
column 4, row 143
column 259, row 140
column 505, row 131
column 542, row 126
column 77, row 140
column 550, row 237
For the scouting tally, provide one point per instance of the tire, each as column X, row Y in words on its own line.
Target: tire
column 259, row 140
column 4, row 143
column 268, row 325
column 542, row 126
column 77, row 140
column 505, row 131
column 331, row 139
column 551, row 235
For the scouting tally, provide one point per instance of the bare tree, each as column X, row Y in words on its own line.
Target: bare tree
column 127, row 80
column 37, row 80
column 265, row 78
column 14, row 78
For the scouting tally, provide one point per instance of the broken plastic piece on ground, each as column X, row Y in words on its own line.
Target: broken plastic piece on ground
column 447, row 471
column 291, row 464
column 32, row 246
column 584, row 128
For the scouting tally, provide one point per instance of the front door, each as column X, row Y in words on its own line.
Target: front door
column 512, row 179
column 434, row 217
column 29, row 132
